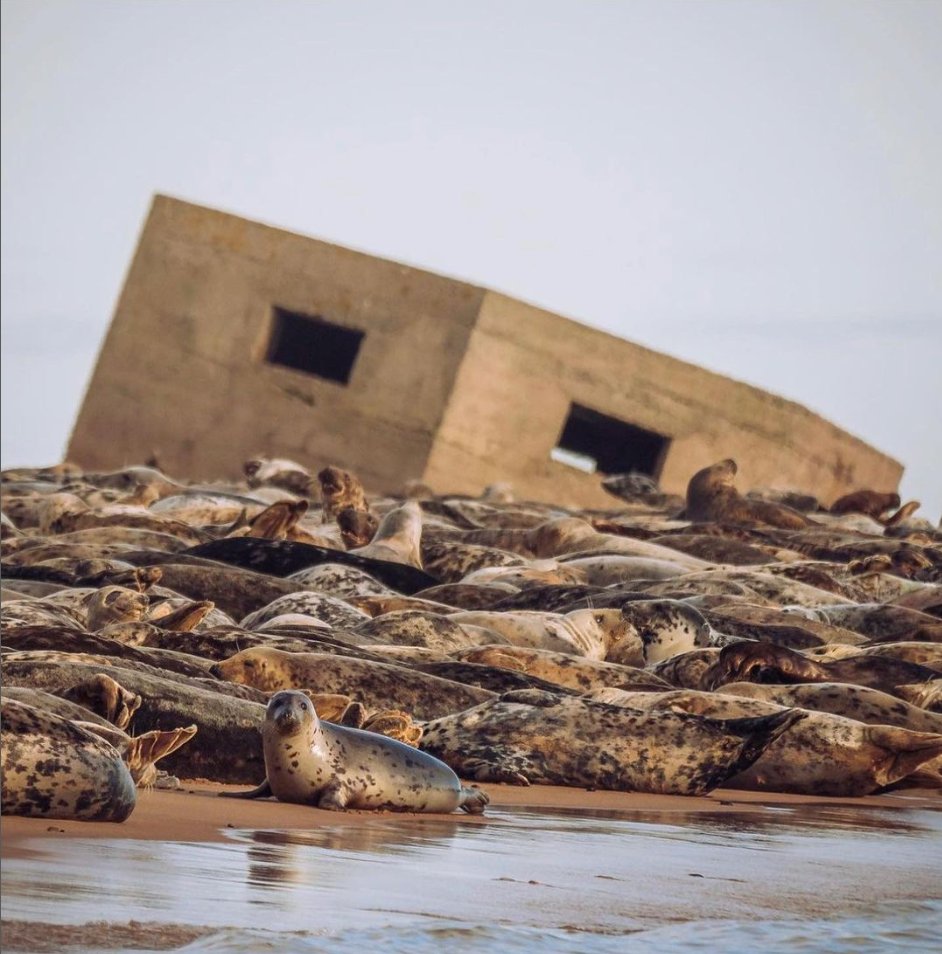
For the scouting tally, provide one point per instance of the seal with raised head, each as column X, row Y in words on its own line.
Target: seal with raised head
column 711, row 496
column 340, row 489
column 317, row 763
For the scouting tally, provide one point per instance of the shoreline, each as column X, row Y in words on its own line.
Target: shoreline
column 194, row 813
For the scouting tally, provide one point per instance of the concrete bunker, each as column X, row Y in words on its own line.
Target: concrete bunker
column 233, row 339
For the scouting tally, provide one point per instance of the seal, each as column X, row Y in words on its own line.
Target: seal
column 341, row 581
column 712, row 498
column 535, row 736
column 333, row 611
column 819, row 754
column 871, row 503
column 596, row 634
column 762, row 662
column 329, row 766
column 278, row 472
column 54, row 768
column 357, row 527
column 669, row 627
column 398, row 537
column 562, row 669
column 115, row 604
column 339, row 490
column 378, row 685
column 840, row 698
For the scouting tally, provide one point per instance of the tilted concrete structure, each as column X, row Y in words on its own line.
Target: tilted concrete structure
column 233, row 339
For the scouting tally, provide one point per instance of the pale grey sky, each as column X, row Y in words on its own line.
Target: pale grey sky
column 752, row 185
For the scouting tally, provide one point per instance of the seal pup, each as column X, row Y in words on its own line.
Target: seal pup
column 712, row 497
column 533, row 736
column 54, row 768
column 334, row 767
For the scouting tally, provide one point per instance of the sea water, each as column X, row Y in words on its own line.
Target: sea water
column 805, row 879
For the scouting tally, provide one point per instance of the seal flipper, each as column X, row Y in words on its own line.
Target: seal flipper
column 510, row 772
column 263, row 791
column 334, row 797
column 473, row 800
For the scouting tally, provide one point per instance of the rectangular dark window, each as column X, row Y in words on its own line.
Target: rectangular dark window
column 311, row 344
column 595, row 442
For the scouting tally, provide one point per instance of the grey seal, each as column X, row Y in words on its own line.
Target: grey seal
column 312, row 762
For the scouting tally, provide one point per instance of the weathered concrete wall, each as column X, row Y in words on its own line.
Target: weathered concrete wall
column 183, row 374
column 524, row 367
column 456, row 385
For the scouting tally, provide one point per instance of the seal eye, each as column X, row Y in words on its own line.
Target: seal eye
column 599, row 618
column 249, row 664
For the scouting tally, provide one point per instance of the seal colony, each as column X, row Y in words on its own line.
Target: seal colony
column 355, row 651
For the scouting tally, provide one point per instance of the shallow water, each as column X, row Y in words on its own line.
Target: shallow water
column 808, row 879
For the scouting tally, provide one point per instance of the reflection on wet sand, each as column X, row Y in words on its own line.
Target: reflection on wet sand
column 598, row 871
column 270, row 852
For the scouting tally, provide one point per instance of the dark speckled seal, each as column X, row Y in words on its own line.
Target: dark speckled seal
column 311, row 762
column 53, row 768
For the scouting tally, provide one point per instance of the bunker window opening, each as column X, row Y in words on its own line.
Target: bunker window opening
column 311, row 344
column 598, row 443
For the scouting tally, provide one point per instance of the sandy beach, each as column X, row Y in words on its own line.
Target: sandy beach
column 195, row 813
column 789, row 857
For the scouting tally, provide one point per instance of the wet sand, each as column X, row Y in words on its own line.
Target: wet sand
column 196, row 813
column 546, row 869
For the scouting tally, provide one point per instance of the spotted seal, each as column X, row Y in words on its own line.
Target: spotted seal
column 669, row 627
column 532, row 736
column 54, row 768
column 595, row 634
column 820, row 754
column 563, row 669
column 312, row 762
column 761, row 662
column 377, row 685
column 840, row 698
column 115, row 604
column 328, row 608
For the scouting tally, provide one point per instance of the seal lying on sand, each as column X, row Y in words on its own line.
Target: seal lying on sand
column 334, row 767
column 537, row 736
column 53, row 768
column 821, row 754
